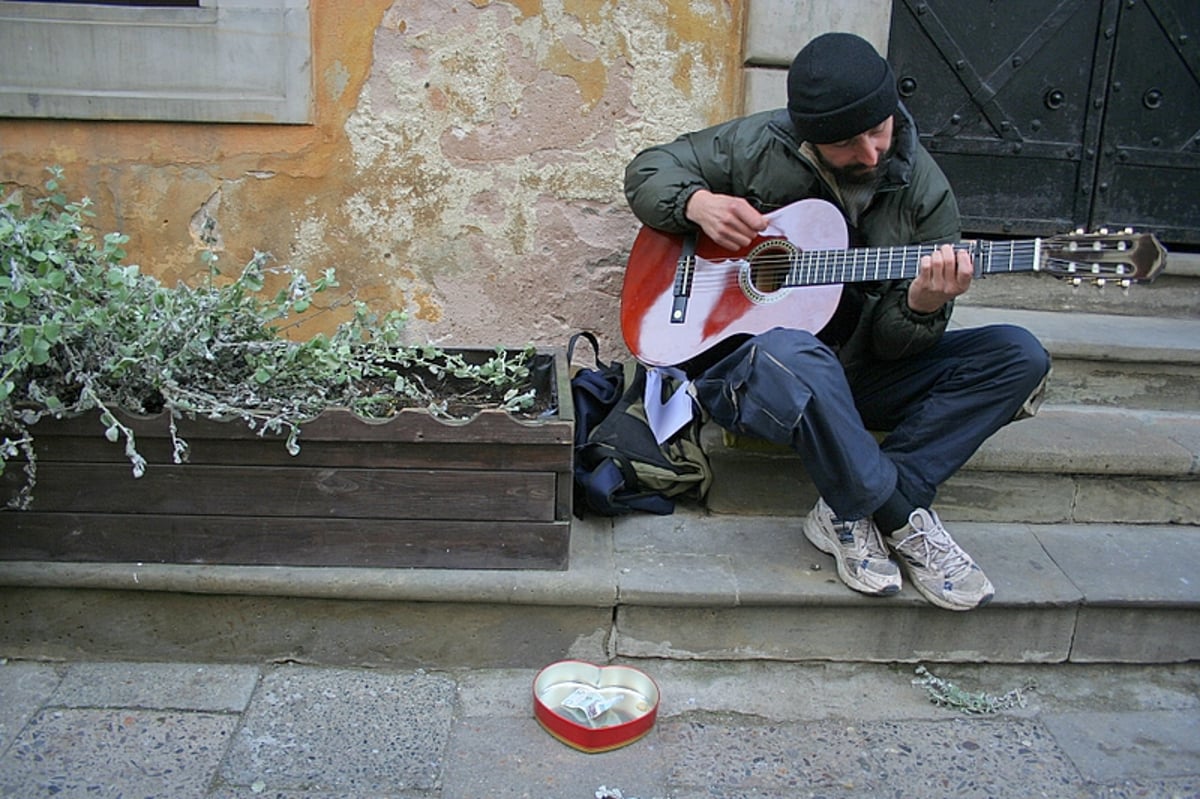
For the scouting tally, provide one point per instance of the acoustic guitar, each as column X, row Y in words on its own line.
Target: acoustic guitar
column 683, row 295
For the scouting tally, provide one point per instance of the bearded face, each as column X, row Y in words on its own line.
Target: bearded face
column 862, row 159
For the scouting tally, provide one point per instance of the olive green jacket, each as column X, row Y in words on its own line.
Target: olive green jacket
column 760, row 158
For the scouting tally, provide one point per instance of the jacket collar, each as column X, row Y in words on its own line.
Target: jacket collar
column 899, row 169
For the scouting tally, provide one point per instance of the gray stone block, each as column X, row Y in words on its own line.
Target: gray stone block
column 893, row 629
column 97, row 624
column 24, row 687
column 115, row 752
column 163, row 686
column 361, row 732
column 1111, row 747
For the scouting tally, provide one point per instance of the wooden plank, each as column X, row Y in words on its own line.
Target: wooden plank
column 271, row 451
column 234, row 490
column 284, row 542
column 410, row 425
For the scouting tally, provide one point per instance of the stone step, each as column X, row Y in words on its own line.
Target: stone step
column 690, row 586
column 1102, row 359
column 745, row 588
column 1067, row 464
column 1176, row 292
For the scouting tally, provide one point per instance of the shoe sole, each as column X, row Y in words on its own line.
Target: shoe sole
column 941, row 601
column 818, row 540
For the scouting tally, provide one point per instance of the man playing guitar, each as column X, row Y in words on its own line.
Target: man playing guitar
column 871, row 355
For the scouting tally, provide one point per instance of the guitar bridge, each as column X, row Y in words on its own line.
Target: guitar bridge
column 685, row 274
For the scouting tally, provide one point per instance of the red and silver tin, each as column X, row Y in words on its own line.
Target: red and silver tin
column 594, row 708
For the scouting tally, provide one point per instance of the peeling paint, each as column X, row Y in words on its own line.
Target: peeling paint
column 206, row 232
column 590, row 75
column 337, row 78
column 465, row 160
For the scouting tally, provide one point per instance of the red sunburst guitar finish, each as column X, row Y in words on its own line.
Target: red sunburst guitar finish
column 683, row 296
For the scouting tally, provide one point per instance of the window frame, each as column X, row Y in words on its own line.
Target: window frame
column 244, row 61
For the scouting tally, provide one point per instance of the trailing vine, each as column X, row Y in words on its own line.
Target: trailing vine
column 83, row 331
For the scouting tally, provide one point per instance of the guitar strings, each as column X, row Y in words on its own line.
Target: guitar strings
column 775, row 271
column 718, row 276
column 825, row 267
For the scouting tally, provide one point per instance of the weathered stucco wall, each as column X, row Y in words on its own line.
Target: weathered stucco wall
column 465, row 162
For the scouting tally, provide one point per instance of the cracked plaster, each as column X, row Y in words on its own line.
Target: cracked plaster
column 465, row 161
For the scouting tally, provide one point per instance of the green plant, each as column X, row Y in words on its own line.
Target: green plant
column 82, row 331
column 945, row 693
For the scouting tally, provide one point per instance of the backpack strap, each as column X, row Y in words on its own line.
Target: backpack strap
column 602, row 476
column 593, row 390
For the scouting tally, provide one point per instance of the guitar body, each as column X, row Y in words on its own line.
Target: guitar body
column 729, row 296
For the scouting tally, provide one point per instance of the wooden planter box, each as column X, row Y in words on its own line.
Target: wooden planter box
column 412, row 491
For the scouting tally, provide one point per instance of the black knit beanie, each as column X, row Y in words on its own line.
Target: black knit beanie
column 839, row 86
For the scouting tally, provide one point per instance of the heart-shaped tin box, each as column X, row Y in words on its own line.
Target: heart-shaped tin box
column 594, row 708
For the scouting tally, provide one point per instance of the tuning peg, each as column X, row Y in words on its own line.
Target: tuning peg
column 1076, row 282
column 1103, row 231
column 1101, row 282
column 1128, row 231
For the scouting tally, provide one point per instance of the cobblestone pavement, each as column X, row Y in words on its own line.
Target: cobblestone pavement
column 724, row 730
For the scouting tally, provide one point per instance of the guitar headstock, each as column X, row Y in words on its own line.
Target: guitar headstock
column 1103, row 257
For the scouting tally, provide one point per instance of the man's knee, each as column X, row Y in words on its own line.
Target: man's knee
column 1027, row 363
column 797, row 350
column 1020, row 350
column 764, row 387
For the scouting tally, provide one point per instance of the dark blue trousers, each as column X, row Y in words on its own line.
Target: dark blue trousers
column 787, row 387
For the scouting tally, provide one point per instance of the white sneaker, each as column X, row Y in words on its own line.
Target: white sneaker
column 857, row 547
column 938, row 567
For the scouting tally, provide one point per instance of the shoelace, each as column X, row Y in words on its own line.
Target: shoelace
column 939, row 550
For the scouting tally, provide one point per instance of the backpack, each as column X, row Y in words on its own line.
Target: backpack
column 620, row 467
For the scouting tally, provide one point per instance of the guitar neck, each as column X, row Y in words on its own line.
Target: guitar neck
column 870, row 264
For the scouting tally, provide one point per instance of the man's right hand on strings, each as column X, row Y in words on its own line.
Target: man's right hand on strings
column 730, row 222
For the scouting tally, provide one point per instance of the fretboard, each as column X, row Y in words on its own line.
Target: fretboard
column 870, row 264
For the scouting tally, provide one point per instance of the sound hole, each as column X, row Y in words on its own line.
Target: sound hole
column 769, row 265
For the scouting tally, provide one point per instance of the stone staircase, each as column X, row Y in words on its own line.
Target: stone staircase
column 1086, row 518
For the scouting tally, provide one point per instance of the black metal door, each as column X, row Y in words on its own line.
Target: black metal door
column 1053, row 116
